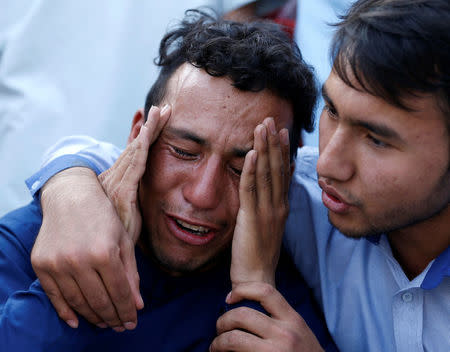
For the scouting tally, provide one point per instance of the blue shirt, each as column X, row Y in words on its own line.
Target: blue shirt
column 180, row 312
column 368, row 302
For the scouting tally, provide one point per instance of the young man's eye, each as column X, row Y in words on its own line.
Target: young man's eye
column 331, row 111
column 376, row 142
column 183, row 153
column 236, row 171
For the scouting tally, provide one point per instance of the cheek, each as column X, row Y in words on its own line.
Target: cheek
column 325, row 131
column 390, row 181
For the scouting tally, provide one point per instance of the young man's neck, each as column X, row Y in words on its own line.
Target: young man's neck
column 414, row 247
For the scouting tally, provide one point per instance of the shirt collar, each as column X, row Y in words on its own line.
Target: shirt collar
column 438, row 270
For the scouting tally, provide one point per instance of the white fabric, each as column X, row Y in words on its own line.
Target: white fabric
column 313, row 36
column 73, row 67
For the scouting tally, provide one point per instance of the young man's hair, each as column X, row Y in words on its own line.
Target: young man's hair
column 255, row 56
column 396, row 49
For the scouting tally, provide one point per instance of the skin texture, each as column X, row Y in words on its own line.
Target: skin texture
column 246, row 330
column 188, row 174
column 389, row 169
column 194, row 167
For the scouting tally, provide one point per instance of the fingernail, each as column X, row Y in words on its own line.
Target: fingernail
column 72, row 323
column 140, row 303
column 263, row 132
column 228, row 297
column 272, row 129
column 164, row 109
column 284, row 136
column 253, row 159
column 119, row 329
column 102, row 325
column 129, row 325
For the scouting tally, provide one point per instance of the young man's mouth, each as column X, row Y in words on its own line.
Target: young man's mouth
column 332, row 200
column 196, row 230
column 191, row 232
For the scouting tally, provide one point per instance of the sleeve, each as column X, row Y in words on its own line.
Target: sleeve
column 71, row 152
column 307, row 228
column 28, row 321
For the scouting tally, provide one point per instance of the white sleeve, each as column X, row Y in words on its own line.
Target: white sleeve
column 73, row 151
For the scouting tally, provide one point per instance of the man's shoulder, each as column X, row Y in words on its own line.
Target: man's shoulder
column 306, row 162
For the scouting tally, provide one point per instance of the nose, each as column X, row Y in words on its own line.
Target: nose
column 336, row 156
column 204, row 186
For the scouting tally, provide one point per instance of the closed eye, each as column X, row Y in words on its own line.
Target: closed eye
column 236, row 171
column 182, row 153
column 376, row 142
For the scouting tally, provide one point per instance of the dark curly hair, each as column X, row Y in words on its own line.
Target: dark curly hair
column 396, row 49
column 255, row 56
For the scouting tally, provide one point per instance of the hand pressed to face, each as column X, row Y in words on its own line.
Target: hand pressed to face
column 85, row 260
column 189, row 194
column 263, row 193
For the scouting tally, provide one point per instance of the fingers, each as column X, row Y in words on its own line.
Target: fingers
column 244, row 318
column 263, row 173
column 131, row 272
column 238, row 340
column 276, row 162
column 75, row 299
column 94, row 298
column 285, row 149
column 272, row 300
column 247, row 184
column 115, row 279
column 134, row 169
column 59, row 303
column 273, row 166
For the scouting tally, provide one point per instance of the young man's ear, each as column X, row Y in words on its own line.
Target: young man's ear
column 136, row 124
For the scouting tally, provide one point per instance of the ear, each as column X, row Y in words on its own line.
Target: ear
column 136, row 124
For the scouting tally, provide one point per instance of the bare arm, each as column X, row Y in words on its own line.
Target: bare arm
column 255, row 252
column 84, row 253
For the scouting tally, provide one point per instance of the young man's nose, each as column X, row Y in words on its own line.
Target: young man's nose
column 336, row 159
column 204, row 187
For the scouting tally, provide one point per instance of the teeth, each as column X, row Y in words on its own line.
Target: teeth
column 194, row 228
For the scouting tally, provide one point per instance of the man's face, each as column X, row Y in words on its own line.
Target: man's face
column 381, row 168
column 189, row 193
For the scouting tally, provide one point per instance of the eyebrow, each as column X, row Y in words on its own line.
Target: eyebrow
column 189, row 135
column 186, row 134
column 379, row 129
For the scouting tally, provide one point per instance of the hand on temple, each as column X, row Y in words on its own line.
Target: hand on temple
column 84, row 252
column 263, row 194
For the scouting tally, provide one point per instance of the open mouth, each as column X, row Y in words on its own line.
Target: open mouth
column 194, row 229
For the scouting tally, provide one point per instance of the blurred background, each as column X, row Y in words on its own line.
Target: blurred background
column 84, row 67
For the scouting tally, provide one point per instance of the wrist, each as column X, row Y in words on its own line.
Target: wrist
column 264, row 275
column 74, row 182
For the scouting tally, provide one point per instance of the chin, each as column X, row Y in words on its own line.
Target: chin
column 353, row 230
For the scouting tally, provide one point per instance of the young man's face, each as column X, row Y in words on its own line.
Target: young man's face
column 381, row 168
column 189, row 193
